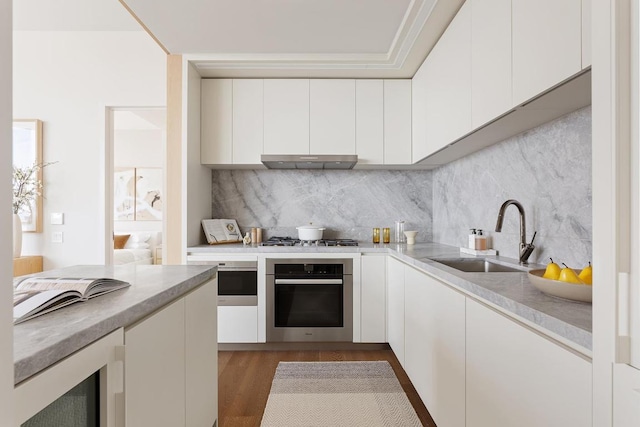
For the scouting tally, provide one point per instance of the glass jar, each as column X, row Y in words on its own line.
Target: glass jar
column 386, row 235
column 399, row 232
column 376, row 235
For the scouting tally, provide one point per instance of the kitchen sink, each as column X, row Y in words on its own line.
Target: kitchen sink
column 471, row 265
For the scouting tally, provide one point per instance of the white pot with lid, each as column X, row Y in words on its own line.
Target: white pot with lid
column 310, row 232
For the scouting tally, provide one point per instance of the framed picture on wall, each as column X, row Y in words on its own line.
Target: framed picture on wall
column 149, row 198
column 124, row 194
column 27, row 152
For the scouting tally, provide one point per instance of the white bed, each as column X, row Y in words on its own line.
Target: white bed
column 132, row 256
column 137, row 250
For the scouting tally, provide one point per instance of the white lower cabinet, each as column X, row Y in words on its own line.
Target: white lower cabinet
column 154, row 361
column 626, row 396
column 201, row 361
column 238, row 324
column 435, row 346
column 516, row 377
column 395, row 307
column 373, row 299
column 171, row 364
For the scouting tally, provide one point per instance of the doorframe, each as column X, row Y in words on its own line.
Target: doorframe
column 108, row 175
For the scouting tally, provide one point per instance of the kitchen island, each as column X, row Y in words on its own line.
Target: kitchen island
column 165, row 308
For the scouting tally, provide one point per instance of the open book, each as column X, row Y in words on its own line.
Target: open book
column 221, row 231
column 33, row 296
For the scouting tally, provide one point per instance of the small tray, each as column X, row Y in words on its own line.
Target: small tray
column 556, row 288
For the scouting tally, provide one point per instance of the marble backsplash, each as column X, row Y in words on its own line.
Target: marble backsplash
column 348, row 203
column 547, row 169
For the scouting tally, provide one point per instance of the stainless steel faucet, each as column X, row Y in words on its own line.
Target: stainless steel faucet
column 525, row 248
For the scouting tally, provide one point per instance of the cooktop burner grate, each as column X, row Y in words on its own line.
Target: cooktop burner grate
column 289, row 241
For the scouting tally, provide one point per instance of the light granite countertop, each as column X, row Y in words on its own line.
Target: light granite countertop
column 566, row 321
column 40, row 342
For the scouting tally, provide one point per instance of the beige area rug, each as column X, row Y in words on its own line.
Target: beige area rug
column 337, row 394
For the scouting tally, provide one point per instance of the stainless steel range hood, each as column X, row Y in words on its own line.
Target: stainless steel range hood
column 306, row 161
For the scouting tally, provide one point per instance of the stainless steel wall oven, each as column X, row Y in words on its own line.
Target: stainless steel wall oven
column 309, row 300
column 237, row 281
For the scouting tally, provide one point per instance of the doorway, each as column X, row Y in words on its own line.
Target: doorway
column 135, row 184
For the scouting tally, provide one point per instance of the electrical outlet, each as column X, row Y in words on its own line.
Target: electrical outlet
column 56, row 237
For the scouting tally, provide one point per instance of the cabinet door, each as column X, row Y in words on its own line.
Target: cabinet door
column 286, row 116
column 626, row 396
column 237, row 324
column 370, row 122
column 397, row 122
column 586, row 33
column 448, row 85
column 155, row 369
column 332, row 116
column 373, row 301
column 248, row 124
column 395, row 307
column 490, row 60
column 517, row 377
column 216, row 122
column 546, row 45
column 201, row 356
column 419, row 146
column 435, row 346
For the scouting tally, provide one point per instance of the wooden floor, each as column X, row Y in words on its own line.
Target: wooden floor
column 245, row 380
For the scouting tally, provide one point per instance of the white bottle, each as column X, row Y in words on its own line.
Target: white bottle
column 472, row 238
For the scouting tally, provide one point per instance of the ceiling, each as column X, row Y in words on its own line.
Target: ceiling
column 298, row 38
column 265, row 38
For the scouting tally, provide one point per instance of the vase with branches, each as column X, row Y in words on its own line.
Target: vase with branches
column 26, row 185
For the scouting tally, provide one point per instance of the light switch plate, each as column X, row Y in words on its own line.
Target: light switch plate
column 56, row 237
column 57, row 218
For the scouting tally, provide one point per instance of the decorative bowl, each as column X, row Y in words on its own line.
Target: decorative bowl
column 556, row 288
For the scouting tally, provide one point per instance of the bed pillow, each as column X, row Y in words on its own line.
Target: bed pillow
column 120, row 240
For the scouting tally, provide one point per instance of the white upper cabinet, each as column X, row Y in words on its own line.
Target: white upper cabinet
column 547, row 45
column 216, row 122
column 332, row 116
column 490, row 60
column 448, row 86
column 370, row 122
column 586, row 33
column 419, row 148
column 397, row 122
column 286, row 116
column 248, row 124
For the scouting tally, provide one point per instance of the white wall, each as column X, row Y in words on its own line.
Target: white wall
column 67, row 79
column 198, row 177
column 6, row 256
column 138, row 148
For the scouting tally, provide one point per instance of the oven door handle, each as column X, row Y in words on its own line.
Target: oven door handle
column 309, row 282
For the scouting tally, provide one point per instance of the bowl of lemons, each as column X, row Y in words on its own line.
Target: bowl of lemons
column 564, row 282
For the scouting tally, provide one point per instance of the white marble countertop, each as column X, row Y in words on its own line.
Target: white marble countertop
column 40, row 342
column 512, row 293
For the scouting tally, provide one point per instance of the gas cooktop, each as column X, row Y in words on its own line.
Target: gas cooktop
column 289, row 241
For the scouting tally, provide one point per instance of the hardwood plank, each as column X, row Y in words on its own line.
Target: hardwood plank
column 244, row 380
